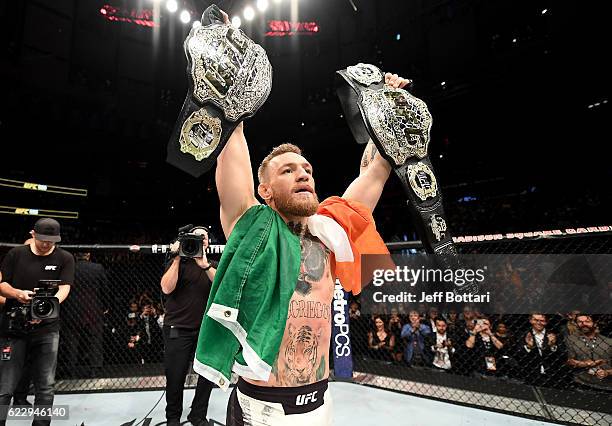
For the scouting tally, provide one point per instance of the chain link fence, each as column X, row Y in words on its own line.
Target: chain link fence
column 520, row 371
column 111, row 339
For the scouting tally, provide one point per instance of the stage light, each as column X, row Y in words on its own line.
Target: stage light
column 185, row 17
column 196, row 24
column 277, row 1
column 103, row 11
column 236, row 22
column 443, row 84
column 513, row 40
column 262, row 5
column 248, row 13
column 398, row 36
column 172, row 6
column 544, row 11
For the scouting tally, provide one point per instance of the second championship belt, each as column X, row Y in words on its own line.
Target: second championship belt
column 230, row 78
column 399, row 124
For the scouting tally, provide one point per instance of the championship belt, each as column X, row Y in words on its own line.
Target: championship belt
column 399, row 124
column 230, row 78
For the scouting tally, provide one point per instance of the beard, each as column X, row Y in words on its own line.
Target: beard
column 290, row 206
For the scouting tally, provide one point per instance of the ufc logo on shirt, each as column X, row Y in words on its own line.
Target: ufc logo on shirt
column 50, row 268
column 306, row 398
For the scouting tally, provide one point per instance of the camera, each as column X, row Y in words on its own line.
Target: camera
column 190, row 244
column 43, row 306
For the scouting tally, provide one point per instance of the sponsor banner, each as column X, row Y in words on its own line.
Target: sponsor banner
column 532, row 234
column 341, row 342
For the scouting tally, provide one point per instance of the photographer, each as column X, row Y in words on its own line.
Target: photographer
column 187, row 282
column 22, row 269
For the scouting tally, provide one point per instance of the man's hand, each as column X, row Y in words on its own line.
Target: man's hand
column 529, row 340
column 601, row 373
column 24, row 296
column 202, row 261
column 552, row 339
column 396, row 81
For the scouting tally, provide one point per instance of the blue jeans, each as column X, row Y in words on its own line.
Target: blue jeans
column 41, row 350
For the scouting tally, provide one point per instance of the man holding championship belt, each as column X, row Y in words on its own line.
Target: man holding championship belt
column 268, row 318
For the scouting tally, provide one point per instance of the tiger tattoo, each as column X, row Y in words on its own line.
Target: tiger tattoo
column 301, row 356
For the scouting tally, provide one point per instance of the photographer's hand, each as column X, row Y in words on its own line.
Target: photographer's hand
column 202, row 261
column 23, row 296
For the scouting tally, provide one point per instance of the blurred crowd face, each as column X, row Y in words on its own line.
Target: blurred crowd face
column 414, row 317
column 502, row 330
column 468, row 314
column 452, row 316
column 433, row 313
column 134, row 307
column 538, row 322
column 441, row 327
column 585, row 324
column 380, row 324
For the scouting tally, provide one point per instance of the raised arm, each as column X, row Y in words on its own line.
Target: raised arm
column 373, row 174
column 374, row 170
column 234, row 179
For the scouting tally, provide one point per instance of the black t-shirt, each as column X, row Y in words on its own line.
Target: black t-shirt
column 22, row 269
column 186, row 304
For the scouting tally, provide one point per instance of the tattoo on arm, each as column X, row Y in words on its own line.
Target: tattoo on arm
column 368, row 154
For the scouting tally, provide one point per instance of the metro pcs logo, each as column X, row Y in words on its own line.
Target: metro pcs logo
column 342, row 338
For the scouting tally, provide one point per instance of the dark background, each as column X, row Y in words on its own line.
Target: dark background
column 90, row 103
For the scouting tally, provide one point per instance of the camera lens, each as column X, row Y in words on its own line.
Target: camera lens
column 190, row 247
column 42, row 308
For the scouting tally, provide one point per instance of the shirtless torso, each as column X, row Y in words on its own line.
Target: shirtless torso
column 303, row 357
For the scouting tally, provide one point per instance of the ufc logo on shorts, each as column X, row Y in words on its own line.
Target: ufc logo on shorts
column 50, row 268
column 306, row 398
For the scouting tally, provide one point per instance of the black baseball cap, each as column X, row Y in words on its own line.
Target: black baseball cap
column 47, row 229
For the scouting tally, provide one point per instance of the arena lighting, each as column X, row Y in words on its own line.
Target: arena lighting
column 248, row 13
column 185, row 17
column 25, row 211
column 544, row 11
column 172, row 6
column 142, row 17
column 236, row 22
column 262, row 5
column 196, row 24
column 45, row 188
column 286, row 28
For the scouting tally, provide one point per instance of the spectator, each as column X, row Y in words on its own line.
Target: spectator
column 485, row 348
column 590, row 355
column 414, row 334
column 440, row 346
column 395, row 327
column 431, row 319
column 132, row 335
column 569, row 327
column 381, row 341
column 152, row 340
column 539, row 352
column 452, row 321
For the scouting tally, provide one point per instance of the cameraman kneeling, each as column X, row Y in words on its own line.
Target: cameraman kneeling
column 187, row 283
column 22, row 269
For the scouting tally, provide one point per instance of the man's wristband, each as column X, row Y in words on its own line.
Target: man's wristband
column 208, row 267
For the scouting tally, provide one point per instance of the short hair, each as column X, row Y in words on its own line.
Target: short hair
column 582, row 314
column 276, row 151
column 441, row 319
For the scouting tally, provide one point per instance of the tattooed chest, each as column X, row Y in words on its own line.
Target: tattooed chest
column 314, row 266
